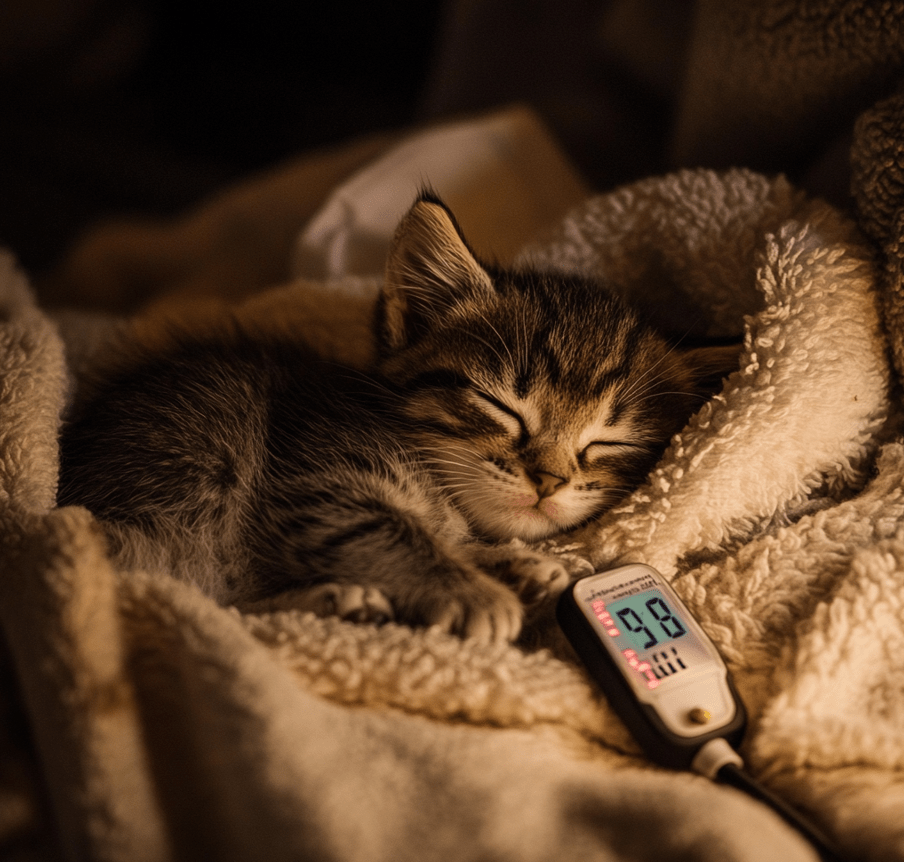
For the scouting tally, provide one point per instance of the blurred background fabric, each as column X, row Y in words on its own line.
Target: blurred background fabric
column 114, row 108
column 121, row 107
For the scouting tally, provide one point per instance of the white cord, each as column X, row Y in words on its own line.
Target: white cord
column 713, row 756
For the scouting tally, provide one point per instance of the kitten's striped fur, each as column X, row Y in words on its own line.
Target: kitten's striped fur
column 505, row 404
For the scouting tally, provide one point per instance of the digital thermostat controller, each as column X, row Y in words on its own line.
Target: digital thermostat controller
column 659, row 670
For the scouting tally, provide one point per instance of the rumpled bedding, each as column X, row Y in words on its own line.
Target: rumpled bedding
column 163, row 726
column 141, row 721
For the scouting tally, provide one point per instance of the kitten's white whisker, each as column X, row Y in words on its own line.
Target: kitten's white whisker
column 630, row 393
column 495, row 350
column 686, row 394
column 501, row 341
column 642, row 385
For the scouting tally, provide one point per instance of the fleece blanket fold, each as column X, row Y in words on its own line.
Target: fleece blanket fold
column 163, row 726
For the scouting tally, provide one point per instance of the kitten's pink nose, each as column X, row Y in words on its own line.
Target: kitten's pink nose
column 547, row 483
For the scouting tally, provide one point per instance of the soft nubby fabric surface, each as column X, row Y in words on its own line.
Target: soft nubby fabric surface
column 168, row 727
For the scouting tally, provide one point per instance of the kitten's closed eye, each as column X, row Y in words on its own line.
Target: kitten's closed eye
column 601, row 448
column 517, row 428
column 508, row 418
column 524, row 465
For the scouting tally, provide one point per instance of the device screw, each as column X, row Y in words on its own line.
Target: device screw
column 698, row 715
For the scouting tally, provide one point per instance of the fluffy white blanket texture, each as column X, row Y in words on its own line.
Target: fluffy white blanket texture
column 141, row 722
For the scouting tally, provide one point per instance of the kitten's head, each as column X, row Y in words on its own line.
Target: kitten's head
column 537, row 399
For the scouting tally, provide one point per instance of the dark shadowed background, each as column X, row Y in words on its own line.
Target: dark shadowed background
column 122, row 107
column 112, row 108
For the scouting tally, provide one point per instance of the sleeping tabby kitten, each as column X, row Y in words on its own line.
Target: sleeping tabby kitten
column 504, row 404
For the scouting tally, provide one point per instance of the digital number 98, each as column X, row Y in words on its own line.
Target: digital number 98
column 662, row 614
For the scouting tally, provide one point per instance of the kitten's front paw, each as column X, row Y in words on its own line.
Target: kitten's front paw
column 482, row 609
column 352, row 602
column 533, row 576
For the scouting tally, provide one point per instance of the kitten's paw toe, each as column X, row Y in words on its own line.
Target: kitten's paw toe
column 489, row 619
column 360, row 604
column 535, row 577
column 352, row 602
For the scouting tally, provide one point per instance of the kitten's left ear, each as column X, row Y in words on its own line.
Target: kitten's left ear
column 429, row 269
column 709, row 365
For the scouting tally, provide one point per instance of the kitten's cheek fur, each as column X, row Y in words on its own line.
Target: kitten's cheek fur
column 514, row 515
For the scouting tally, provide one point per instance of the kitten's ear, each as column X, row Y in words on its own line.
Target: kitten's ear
column 429, row 269
column 709, row 365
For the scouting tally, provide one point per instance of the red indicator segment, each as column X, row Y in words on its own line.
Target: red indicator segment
column 599, row 610
column 644, row 668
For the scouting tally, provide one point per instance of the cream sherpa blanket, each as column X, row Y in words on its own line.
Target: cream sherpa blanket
column 167, row 727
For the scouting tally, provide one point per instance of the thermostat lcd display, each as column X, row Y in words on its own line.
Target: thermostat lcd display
column 654, row 640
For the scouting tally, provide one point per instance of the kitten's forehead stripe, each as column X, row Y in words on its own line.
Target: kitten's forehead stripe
column 606, row 379
column 617, row 411
column 542, row 361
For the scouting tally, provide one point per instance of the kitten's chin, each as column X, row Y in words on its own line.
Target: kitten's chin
column 530, row 524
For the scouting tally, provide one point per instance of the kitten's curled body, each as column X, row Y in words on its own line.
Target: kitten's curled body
column 504, row 404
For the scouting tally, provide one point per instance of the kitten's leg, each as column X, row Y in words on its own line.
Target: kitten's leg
column 193, row 558
column 131, row 548
column 533, row 576
column 393, row 535
column 480, row 607
column 449, row 594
